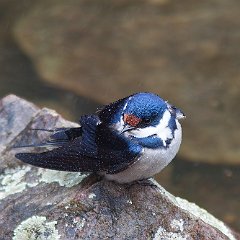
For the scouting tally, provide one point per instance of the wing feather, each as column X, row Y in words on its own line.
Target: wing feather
column 97, row 149
column 64, row 159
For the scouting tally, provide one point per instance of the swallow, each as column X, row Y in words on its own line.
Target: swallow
column 128, row 140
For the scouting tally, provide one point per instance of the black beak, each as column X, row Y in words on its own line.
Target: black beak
column 180, row 114
column 176, row 111
column 127, row 128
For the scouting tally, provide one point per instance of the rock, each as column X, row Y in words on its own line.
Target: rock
column 45, row 204
column 187, row 52
column 11, row 124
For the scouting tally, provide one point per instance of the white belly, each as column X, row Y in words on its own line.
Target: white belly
column 150, row 162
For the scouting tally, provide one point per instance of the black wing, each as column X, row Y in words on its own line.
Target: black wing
column 65, row 158
column 75, row 150
column 94, row 148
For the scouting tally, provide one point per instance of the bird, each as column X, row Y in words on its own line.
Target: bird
column 129, row 140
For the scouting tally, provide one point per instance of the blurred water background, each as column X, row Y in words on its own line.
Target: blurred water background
column 74, row 56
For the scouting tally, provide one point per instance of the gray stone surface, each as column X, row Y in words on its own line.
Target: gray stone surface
column 186, row 51
column 45, row 204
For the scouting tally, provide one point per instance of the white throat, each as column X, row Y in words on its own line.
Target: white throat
column 150, row 162
column 161, row 130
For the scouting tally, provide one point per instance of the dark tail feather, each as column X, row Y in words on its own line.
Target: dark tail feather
column 62, row 159
column 68, row 134
column 46, row 160
column 50, row 143
column 44, row 130
column 31, row 145
column 62, row 133
column 59, row 138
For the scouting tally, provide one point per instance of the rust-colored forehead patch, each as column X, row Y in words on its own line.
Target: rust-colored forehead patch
column 131, row 120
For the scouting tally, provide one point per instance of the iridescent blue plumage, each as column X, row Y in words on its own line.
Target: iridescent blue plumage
column 146, row 106
column 123, row 141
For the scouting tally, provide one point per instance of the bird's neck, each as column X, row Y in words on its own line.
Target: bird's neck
column 163, row 130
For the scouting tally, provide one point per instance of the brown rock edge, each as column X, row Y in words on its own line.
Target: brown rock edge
column 45, row 204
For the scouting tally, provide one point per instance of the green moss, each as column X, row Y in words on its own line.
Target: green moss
column 66, row 179
column 13, row 181
column 36, row 228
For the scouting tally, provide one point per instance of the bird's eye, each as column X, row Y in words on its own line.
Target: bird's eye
column 146, row 120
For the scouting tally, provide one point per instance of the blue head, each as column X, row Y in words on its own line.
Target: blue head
column 146, row 117
column 144, row 109
column 140, row 111
column 147, row 109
